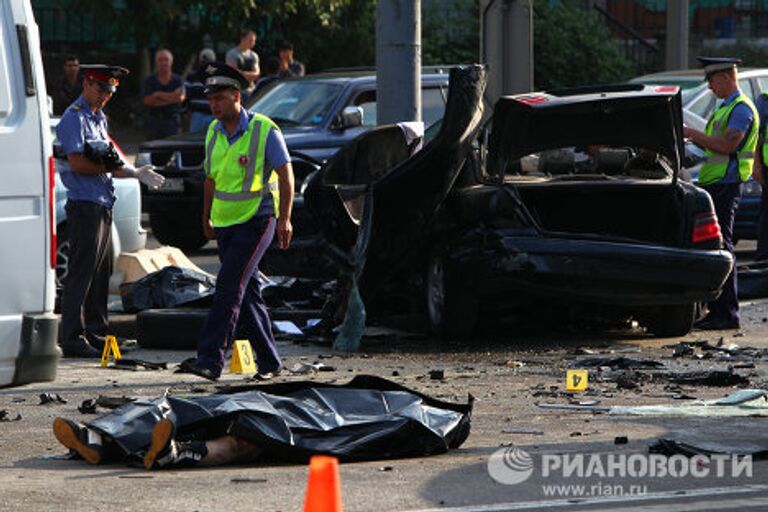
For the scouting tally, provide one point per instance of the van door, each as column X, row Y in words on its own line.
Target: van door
column 28, row 350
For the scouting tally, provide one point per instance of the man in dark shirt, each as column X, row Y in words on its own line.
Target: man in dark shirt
column 163, row 95
column 68, row 87
column 288, row 65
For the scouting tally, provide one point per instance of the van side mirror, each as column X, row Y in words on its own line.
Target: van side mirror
column 350, row 117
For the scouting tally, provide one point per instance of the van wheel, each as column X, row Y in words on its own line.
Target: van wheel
column 452, row 309
column 62, row 256
column 187, row 235
column 671, row 321
column 170, row 329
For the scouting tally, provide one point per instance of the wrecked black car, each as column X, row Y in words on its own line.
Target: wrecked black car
column 569, row 198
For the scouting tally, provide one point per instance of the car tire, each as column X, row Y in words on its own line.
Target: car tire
column 170, row 329
column 671, row 321
column 186, row 234
column 62, row 261
column 452, row 309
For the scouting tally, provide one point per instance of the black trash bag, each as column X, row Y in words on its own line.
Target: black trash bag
column 368, row 418
column 167, row 288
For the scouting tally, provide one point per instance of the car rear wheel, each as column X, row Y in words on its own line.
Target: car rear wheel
column 452, row 309
column 185, row 233
column 670, row 321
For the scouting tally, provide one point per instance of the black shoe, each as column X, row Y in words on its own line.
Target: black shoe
column 82, row 349
column 265, row 376
column 98, row 341
column 80, row 439
column 711, row 323
column 190, row 366
column 165, row 451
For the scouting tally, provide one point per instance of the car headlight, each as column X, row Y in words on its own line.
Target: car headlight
column 752, row 188
column 142, row 159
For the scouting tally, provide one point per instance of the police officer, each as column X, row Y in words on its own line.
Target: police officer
column 248, row 197
column 86, row 171
column 729, row 140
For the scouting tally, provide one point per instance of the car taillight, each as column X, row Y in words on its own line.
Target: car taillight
column 705, row 227
column 52, row 209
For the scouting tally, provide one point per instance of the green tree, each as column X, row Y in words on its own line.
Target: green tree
column 450, row 31
column 572, row 47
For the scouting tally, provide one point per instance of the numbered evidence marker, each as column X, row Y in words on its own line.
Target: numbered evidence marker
column 576, row 380
column 110, row 349
column 242, row 358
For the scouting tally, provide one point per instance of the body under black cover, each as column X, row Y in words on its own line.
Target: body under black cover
column 366, row 419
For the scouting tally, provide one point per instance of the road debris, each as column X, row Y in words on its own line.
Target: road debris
column 5, row 416
column 48, row 398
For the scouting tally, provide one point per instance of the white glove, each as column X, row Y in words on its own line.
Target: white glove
column 148, row 176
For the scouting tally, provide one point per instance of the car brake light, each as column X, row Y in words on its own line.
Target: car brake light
column 667, row 88
column 52, row 209
column 705, row 227
column 532, row 99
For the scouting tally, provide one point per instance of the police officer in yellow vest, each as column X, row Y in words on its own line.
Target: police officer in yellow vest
column 248, row 197
column 730, row 141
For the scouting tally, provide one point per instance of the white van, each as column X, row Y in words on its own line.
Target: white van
column 28, row 327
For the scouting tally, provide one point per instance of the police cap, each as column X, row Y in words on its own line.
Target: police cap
column 715, row 64
column 218, row 76
column 108, row 77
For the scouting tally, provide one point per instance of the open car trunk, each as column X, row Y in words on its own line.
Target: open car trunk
column 652, row 213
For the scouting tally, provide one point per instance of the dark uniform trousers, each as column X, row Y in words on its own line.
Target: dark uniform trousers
column 726, row 197
column 237, row 303
column 86, row 287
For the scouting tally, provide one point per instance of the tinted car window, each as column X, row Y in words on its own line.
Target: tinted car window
column 762, row 83
column 295, row 103
column 745, row 84
column 702, row 105
column 432, row 106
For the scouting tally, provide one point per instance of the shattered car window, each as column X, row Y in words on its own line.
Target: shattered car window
column 304, row 103
column 597, row 159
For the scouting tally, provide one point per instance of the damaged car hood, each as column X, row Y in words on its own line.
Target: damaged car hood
column 647, row 117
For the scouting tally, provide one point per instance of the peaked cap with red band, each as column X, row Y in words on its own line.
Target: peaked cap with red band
column 107, row 75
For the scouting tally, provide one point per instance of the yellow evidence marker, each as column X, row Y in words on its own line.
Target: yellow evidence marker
column 242, row 358
column 576, row 380
column 110, row 348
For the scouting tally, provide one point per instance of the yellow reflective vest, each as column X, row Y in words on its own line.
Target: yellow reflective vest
column 716, row 165
column 239, row 172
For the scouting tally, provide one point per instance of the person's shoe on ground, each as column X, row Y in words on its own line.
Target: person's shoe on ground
column 77, row 437
column 263, row 376
column 713, row 323
column 80, row 348
column 98, row 341
column 191, row 366
column 165, row 451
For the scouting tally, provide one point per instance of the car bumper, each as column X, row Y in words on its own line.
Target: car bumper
column 38, row 353
column 595, row 271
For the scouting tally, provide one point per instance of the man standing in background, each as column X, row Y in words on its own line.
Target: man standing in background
column 68, row 86
column 244, row 59
column 163, row 94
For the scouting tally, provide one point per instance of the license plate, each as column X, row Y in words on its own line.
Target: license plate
column 171, row 185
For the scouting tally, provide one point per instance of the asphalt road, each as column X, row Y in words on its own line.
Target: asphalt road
column 506, row 372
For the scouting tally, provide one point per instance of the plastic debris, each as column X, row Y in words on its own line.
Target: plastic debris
column 48, row 398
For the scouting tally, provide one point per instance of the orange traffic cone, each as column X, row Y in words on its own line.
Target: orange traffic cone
column 324, row 487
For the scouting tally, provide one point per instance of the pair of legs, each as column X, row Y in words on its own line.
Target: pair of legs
column 164, row 451
column 86, row 287
column 238, row 301
column 726, row 197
